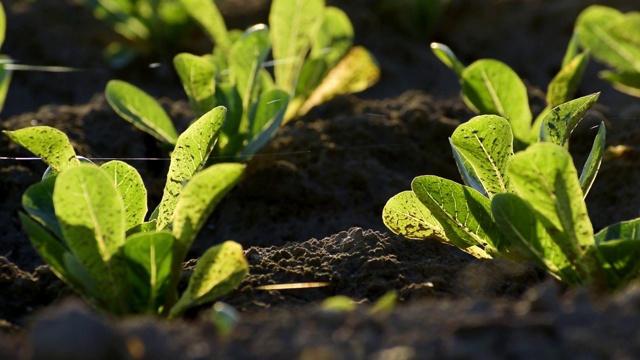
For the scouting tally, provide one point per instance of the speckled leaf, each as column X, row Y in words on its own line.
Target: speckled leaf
column 219, row 271
column 293, row 24
column 197, row 75
column 405, row 215
column 465, row 215
column 467, row 172
column 624, row 230
column 149, row 259
column 447, row 57
column 37, row 201
column 92, row 218
column 129, row 184
column 486, row 142
column 245, row 60
column 560, row 121
column 190, row 154
column 564, row 85
column 544, row 176
column 592, row 165
column 140, row 109
column 491, row 87
column 51, row 145
column 206, row 13
column 265, row 119
column 519, row 223
column 620, row 261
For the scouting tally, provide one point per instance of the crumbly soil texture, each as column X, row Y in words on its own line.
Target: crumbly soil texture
column 308, row 209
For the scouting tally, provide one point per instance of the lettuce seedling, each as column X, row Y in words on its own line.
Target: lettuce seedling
column 88, row 223
column 521, row 205
column 614, row 39
column 147, row 26
column 5, row 73
column 492, row 87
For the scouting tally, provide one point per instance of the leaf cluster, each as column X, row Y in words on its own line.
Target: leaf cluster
column 312, row 57
column 614, row 39
column 88, row 223
column 146, row 25
column 521, row 205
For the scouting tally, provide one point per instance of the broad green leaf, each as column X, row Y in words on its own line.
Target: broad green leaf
column 356, row 72
column 206, row 13
column 596, row 25
column 560, row 121
column 197, row 75
column 246, row 58
column 624, row 230
column 447, row 57
column 592, row 165
column 219, row 271
column 149, row 260
column 334, row 39
column 5, row 79
column 518, row 222
column 465, row 215
column 491, row 87
column 544, row 176
column 129, row 184
column 51, row 145
column 190, row 154
column 265, row 119
column 37, row 201
column 311, row 75
column 3, row 24
column 293, row 24
column 564, row 85
column 140, row 109
column 467, row 172
column 405, row 215
column 198, row 199
column 486, row 142
column 626, row 82
column 619, row 260
column 92, row 218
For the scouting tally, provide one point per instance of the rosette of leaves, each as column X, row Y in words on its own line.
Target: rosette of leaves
column 147, row 26
column 614, row 39
column 88, row 223
column 521, row 205
column 5, row 72
column 313, row 60
column 491, row 87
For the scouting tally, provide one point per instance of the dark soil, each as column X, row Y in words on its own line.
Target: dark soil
column 309, row 206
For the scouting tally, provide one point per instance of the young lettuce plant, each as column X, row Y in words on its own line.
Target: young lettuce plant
column 147, row 25
column 88, row 223
column 524, row 205
column 5, row 73
column 614, row 39
column 492, row 87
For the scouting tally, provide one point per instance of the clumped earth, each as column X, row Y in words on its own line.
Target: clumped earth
column 308, row 208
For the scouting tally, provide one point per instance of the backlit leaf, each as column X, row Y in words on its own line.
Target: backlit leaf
column 265, row 119
column 51, row 145
column 197, row 75
column 560, row 121
column 206, row 13
column 592, row 165
column 129, row 184
column 405, row 215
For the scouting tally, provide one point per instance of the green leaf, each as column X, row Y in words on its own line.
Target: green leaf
column 405, row 215
column 573, row 49
column 5, row 79
column 592, row 165
column 198, row 199
column 447, row 57
column 626, row 82
column 600, row 30
column 564, row 85
column 3, row 24
column 129, row 184
column 620, row 261
column 231, row 140
column 491, row 87
column 293, row 24
column 197, row 75
column 486, row 142
column 544, row 176
column 357, row 71
column 334, row 39
column 519, row 223
column 265, row 119
column 560, row 121
column 37, row 201
column 50, row 144
column 140, row 109
column 467, row 172
column 206, row 13
column 92, row 218
column 465, row 215
column 149, row 260
column 246, row 58
column 219, row 271
column 190, row 154
column 624, row 230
